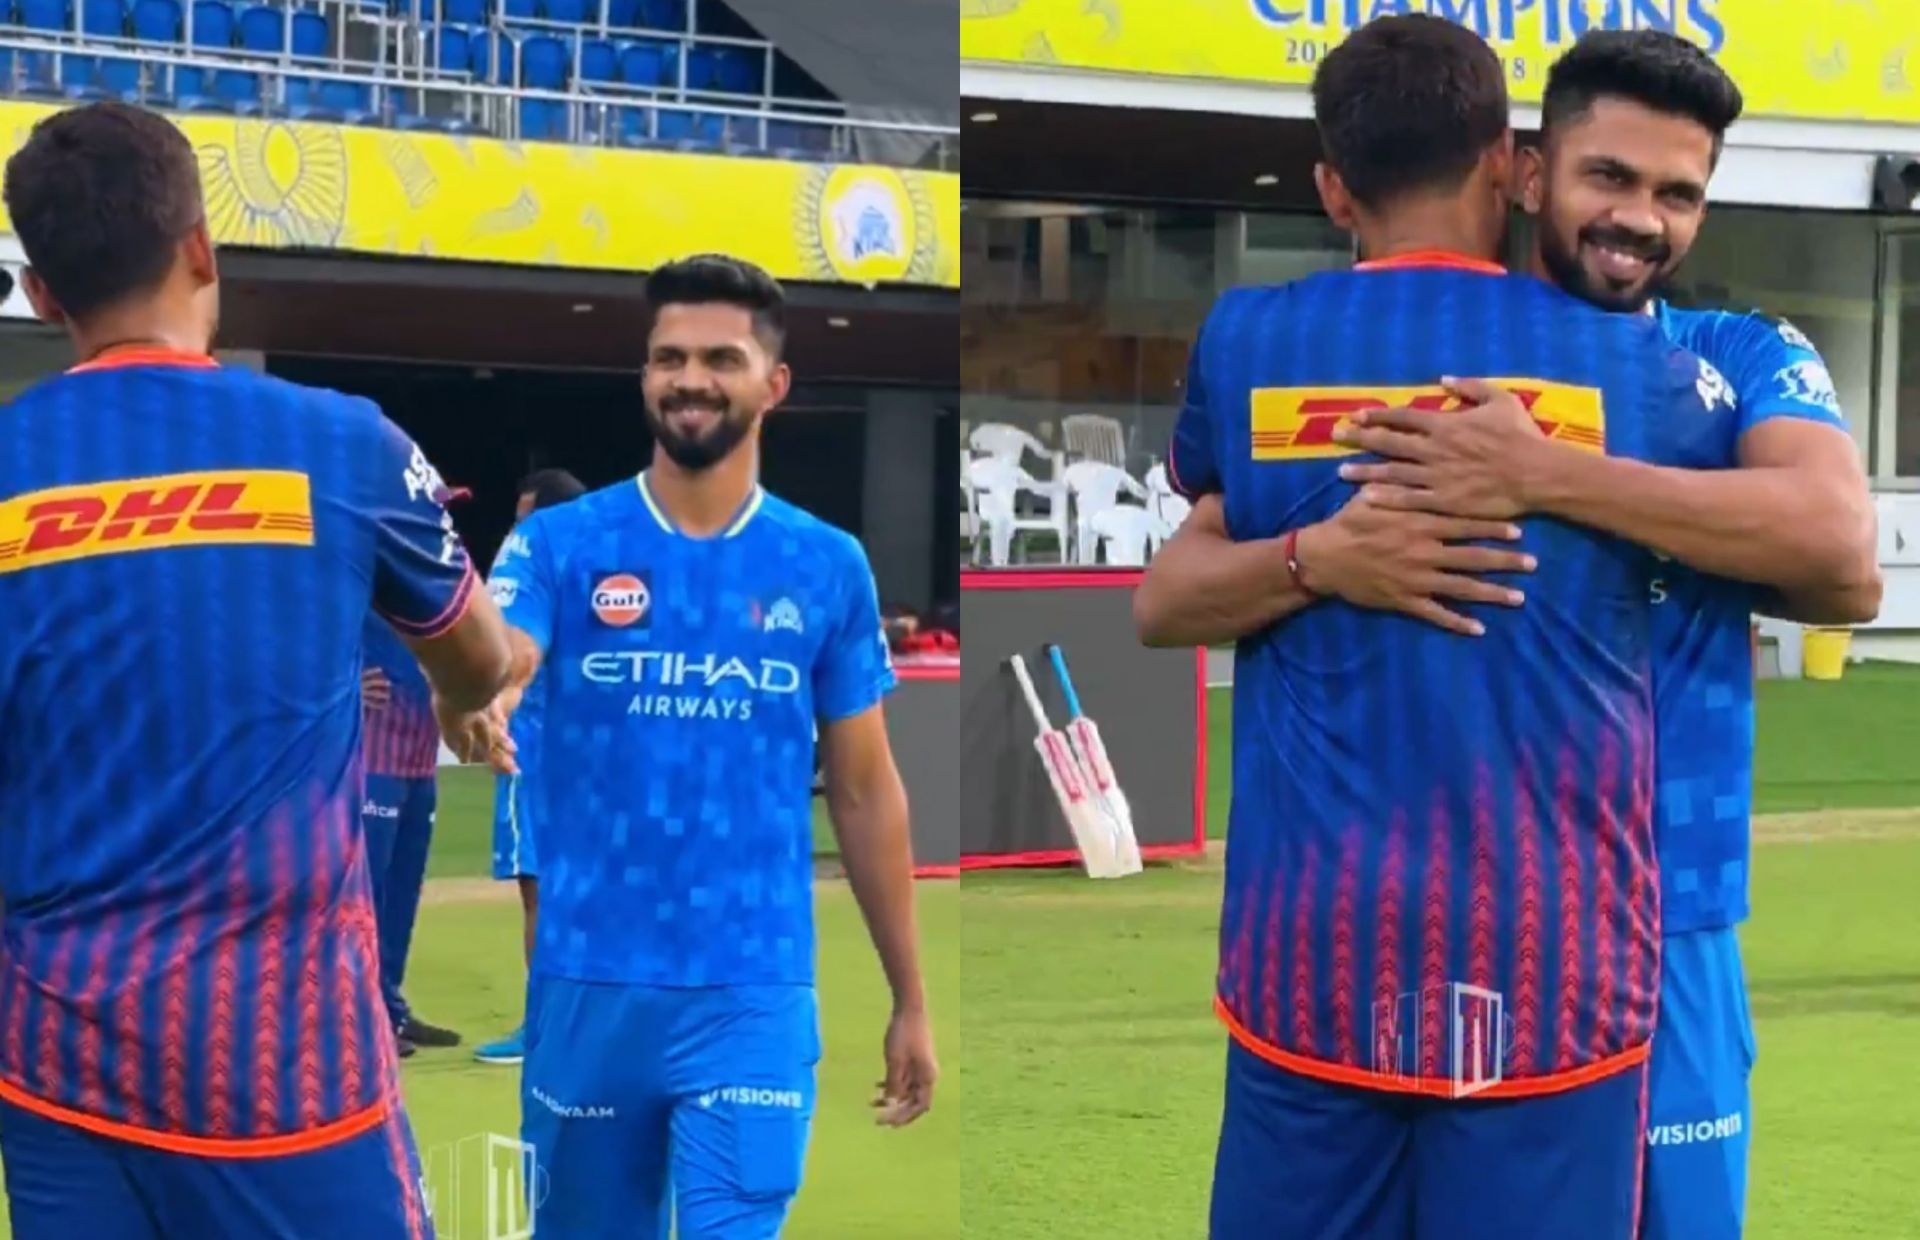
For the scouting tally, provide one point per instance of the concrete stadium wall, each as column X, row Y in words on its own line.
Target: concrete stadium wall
column 1150, row 706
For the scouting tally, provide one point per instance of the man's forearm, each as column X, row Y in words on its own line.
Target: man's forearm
column 1769, row 526
column 1856, row 604
column 877, row 850
column 1202, row 588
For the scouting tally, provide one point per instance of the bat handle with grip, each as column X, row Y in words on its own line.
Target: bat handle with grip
column 1066, row 681
column 1033, row 698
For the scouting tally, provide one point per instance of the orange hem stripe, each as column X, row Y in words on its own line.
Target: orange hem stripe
column 205, row 1147
column 1361, row 1078
column 1446, row 259
column 145, row 355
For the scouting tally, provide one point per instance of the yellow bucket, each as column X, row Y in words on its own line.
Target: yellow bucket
column 1824, row 655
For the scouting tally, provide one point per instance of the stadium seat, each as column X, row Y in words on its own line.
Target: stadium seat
column 39, row 73
column 511, row 9
column 350, row 101
column 599, row 62
column 684, row 128
column 739, row 71
column 647, row 63
column 492, row 59
column 46, row 15
column 578, row 12
column 156, row 21
column 623, row 14
column 464, row 12
column 543, row 63
column 263, row 28
column 454, row 50
column 120, row 78
column 212, row 24
column 104, row 19
column 543, row 120
column 311, row 33
column 663, row 14
column 636, row 125
column 80, row 77
column 702, row 72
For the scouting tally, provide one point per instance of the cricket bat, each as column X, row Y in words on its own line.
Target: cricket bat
column 1093, row 834
column 1092, row 752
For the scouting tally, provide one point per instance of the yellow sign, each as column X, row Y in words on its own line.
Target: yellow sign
column 1808, row 59
column 1298, row 423
column 282, row 185
column 147, row 514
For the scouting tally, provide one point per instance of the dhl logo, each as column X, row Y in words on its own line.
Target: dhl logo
column 1293, row 424
column 145, row 514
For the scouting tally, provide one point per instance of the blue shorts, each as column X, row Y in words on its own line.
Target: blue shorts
column 1700, row 1112
column 64, row 1183
column 513, row 821
column 1308, row 1159
column 641, row 1103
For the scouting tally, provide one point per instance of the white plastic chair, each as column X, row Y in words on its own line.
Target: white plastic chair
column 997, row 484
column 969, row 501
column 1094, row 437
column 1126, row 531
column 1096, row 487
column 1164, row 502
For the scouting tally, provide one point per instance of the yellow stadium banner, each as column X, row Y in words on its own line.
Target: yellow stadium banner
column 283, row 185
column 1804, row 59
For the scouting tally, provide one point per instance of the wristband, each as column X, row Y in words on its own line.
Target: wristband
column 1290, row 549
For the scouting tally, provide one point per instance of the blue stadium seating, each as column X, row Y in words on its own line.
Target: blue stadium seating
column 492, row 58
column 263, row 28
column 520, row 8
column 623, row 14
column 663, row 14
column 464, row 12
column 579, row 12
column 599, row 62
column 648, row 63
column 543, row 120
column 738, row 71
column 350, row 101
column 543, row 63
column 310, row 33
column 679, row 126
column 104, row 18
column 454, row 52
column 156, row 21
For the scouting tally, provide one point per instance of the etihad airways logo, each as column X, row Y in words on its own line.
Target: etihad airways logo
column 1297, row 423
column 678, row 685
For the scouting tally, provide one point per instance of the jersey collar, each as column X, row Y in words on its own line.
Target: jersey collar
column 121, row 357
column 1446, row 260
column 733, row 527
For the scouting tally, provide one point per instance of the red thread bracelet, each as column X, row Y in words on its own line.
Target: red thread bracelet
column 1290, row 549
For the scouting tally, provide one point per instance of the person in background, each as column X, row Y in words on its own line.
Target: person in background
column 400, row 750
column 517, row 800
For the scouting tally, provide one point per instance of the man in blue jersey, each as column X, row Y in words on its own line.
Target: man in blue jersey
column 1438, row 940
column 400, row 748
column 192, row 1041
column 1632, row 129
column 694, row 631
column 518, row 800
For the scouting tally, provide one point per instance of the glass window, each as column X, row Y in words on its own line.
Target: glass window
column 1900, row 342
column 1075, row 322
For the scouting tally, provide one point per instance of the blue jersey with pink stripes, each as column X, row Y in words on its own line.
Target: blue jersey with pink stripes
column 401, row 738
column 1440, row 866
column 187, row 557
column 685, row 677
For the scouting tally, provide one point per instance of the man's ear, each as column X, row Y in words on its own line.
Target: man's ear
column 1334, row 197
column 198, row 247
column 1529, row 178
column 40, row 297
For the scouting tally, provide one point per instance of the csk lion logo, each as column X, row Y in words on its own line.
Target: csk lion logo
column 866, row 226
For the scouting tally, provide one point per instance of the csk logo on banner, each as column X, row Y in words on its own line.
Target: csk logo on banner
column 146, row 514
column 867, row 225
column 1804, row 59
column 1295, row 424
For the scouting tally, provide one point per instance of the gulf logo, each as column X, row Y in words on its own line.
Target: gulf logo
column 1298, row 423
column 621, row 599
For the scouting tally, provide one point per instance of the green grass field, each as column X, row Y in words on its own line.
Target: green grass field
column 1092, row 1063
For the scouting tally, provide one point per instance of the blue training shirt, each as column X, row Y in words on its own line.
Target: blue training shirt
column 685, row 677
column 1703, row 668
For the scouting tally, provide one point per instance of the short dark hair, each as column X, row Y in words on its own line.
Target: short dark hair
column 100, row 196
column 1408, row 103
column 708, row 279
column 1652, row 68
column 551, row 486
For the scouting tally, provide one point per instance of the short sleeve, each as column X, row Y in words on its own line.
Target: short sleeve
column 1777, row 373
column 1697, row 426
column 422, row 577
column 522, row 580
column 855, row 669
column 1192, row 465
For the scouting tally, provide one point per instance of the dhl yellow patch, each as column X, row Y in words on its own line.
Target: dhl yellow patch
column 147, row 514
column 1297, row 423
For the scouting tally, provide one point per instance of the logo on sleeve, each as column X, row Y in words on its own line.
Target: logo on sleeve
column 1795, row 337
column 504, row 590
column 1713, row 387
column 1809, row 383
column 622, row 600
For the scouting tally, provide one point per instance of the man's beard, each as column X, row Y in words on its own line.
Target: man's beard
column 1563, row 264
column 702, row 450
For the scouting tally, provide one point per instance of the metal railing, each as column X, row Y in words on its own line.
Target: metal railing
column 404, row 89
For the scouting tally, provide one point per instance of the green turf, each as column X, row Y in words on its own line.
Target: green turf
column 1092, row 1068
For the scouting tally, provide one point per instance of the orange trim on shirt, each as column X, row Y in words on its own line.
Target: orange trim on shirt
column 1431, row 1087
column 203, row 1147
column 1447, row 260
column 145, row 355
